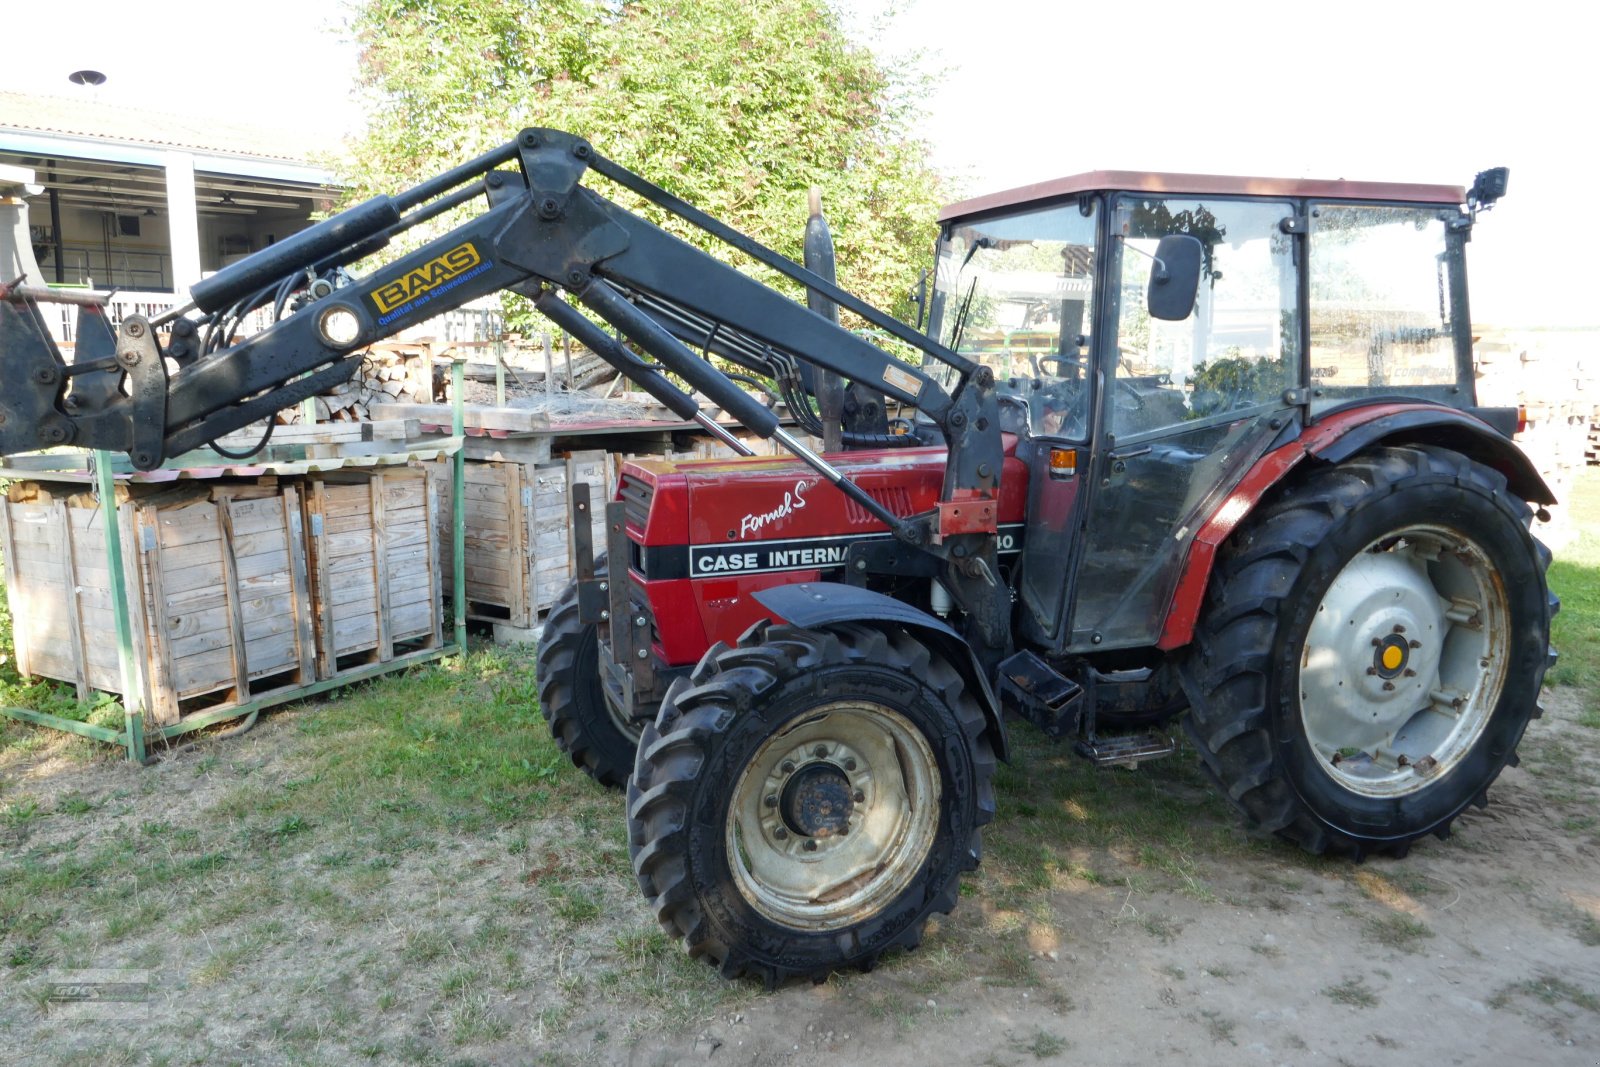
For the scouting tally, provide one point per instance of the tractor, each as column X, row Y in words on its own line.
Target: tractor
column 1161, row 450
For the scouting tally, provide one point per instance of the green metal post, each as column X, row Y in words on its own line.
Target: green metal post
column 132, row 705
column 458, row 492
column 499, row 364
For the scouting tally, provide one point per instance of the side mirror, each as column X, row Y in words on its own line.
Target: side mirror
column 1175, row 278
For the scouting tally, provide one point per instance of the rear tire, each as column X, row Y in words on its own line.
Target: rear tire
column 806, row 800
column 1371, row 651
column 598, row 739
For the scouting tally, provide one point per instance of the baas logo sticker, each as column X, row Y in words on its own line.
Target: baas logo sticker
column 420, row 281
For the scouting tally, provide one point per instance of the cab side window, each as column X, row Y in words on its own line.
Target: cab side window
column 1380, row 320
column 1238, row 350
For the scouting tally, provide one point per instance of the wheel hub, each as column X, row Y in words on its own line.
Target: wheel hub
column 816, row 801
column 1389, row 656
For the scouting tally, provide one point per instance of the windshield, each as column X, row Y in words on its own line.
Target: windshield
column 1015, row 293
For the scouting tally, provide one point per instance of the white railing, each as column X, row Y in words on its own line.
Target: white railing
column 479, row 321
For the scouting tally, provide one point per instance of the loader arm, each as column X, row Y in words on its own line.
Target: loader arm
column 546, row 235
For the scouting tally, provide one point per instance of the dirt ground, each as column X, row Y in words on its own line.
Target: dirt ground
column 512, row 944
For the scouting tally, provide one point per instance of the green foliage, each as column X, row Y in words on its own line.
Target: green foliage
column 737, row 106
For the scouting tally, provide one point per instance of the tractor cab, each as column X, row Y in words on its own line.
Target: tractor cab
column 1141, row 410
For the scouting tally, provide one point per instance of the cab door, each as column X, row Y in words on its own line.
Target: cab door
column 1186, row 407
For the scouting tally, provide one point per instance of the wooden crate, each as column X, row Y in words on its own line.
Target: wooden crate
column 518, row 532
column 372, row 551
column 217, row 593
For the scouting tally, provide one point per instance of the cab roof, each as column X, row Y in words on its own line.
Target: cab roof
column 1135, row 181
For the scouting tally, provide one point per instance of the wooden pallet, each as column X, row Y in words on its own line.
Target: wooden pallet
column 518, row 532
column 218, row 597
column 372, row 550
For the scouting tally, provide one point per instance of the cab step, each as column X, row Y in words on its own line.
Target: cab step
column 1039, row 693
column 1126, row 750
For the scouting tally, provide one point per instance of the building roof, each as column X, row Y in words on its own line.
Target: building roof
column 99, row 121
column 1204, row 185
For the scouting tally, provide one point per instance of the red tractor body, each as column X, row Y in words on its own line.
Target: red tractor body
column 708, row 534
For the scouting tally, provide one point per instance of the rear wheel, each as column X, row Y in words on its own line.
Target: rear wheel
column 597, row 735
column 1371, row 651
column 807, row 799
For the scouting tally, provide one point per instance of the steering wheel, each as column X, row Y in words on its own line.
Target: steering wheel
column 1078, row 362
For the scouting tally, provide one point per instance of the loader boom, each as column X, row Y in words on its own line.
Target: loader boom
column 545, row 235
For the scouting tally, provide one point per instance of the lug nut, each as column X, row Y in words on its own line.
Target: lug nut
column 772, row 800
column 1388, row 687
column 787, row 766
column 820, row 751
column 849, row 764
column 845, row 829
column 781, row 834
column 858, row 796
column 1414, row 643
column 810, row 845
column 1399, row 629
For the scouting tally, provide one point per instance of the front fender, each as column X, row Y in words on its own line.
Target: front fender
column 817, row 605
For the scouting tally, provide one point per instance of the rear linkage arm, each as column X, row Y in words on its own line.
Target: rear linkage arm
column 543, row 232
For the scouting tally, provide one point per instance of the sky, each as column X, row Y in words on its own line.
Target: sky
column 1027, row 90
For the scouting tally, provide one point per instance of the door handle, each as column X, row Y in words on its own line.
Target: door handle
column 1119, row 459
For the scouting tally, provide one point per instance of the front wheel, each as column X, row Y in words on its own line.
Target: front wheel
column 806, row 800
column 586, row 724
column 1371, row 651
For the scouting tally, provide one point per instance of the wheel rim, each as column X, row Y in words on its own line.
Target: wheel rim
column 834, row 817
column 1404, row 661
column 626, row 726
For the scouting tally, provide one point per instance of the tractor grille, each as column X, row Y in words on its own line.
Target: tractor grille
column 636, row 495
column 896, row 499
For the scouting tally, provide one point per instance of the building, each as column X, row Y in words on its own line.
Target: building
column 146, row 203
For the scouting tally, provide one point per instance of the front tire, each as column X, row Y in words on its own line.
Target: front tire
column 594, row 734
column 806, row 800
column 1371, row 651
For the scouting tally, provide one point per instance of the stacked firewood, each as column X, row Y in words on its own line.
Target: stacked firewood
column 392, row 372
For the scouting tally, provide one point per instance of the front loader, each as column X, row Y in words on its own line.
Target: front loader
column 1171, row 449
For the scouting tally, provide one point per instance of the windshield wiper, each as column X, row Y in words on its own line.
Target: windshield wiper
column 961, row 316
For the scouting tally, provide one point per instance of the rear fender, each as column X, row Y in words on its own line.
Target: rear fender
column 817, row 605
column 1335, row 438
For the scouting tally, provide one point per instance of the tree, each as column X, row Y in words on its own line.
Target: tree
column 738, row 106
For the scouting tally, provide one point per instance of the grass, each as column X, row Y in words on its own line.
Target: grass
column 395, row 833
column 1575, row 578
column 1396, row 930
column 1550, row 990
column 1043, row 1045
column 1352, row 992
